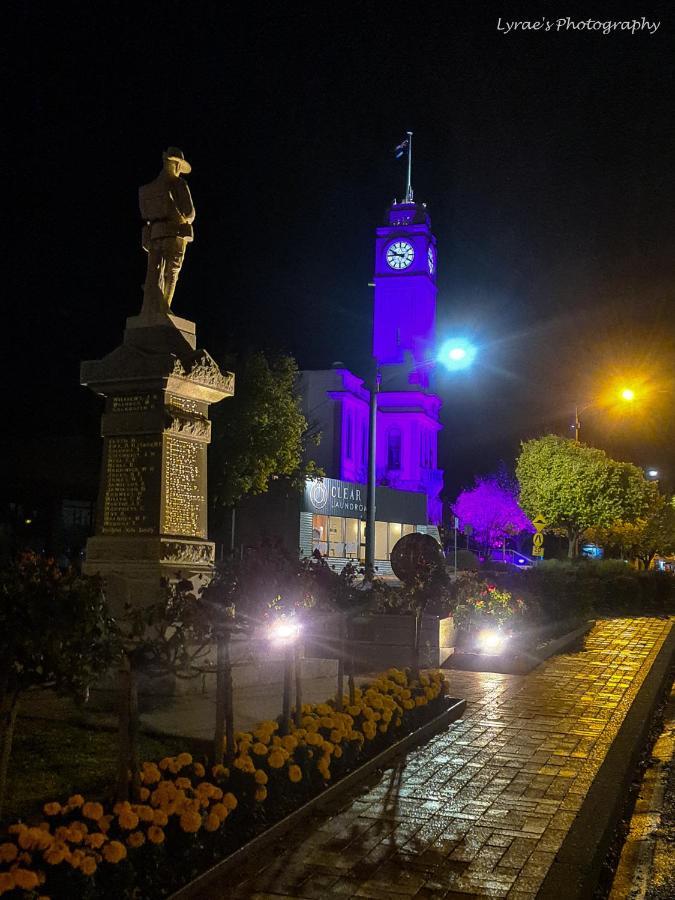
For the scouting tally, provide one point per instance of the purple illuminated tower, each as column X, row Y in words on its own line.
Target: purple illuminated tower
column 403, row 346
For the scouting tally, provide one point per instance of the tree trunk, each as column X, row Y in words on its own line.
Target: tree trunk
column 339, row 693
column 128, row 766
column 298, row 686
column 9, row 704
column 573, row 543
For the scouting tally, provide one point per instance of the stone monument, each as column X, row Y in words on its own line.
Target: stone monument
column 157, row 385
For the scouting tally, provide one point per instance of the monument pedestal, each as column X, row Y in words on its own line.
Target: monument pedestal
column 152, row 506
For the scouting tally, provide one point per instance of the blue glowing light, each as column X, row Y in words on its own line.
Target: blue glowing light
column 457, row 354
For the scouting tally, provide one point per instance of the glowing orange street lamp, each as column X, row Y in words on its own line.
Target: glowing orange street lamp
column 628, row 395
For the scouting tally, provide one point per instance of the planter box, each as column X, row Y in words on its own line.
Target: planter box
column 519, row 658
column 209, row 884
column 381, row 641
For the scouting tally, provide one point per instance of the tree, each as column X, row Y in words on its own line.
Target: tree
column 260, row 433
column 492, row 510
column 647, row 536
column 168, row 636
column 576, row 487
column 55, row 632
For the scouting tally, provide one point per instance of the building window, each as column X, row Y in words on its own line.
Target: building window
column 394, row 449
column 407, row 529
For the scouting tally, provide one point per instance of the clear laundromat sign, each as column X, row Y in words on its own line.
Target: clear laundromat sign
column 331, row 497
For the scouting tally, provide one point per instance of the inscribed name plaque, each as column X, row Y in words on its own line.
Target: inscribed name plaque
column 130, row 477
column 184, row 506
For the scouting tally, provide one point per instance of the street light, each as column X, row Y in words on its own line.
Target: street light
column 457, row 354
column 626, row 395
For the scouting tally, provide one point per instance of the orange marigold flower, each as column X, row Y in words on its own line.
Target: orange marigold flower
column 337, row 753
column 7, row 882
column 190, row 821
column 183, row 759
column 199, row 770
column 92, row 810
column 259, row 749
column 136, row 839
column 260, row 777
column 155, row 835
column 76, row 800
column 56, row 854
column 52, row 809
column 183, row 783
column 220, row 771
column 295, row 773
column 127, row 819
column 261, row 794
column 114, row 852
column 8, row 852
column 25, row 878
column 95, row 841
column 144, row 793
column 88, row 866
column 220, row 810
column 212, row 822
column 230, row 801
column 145, row 813
column 276, row 759
column 160, row 817
column 104, row 823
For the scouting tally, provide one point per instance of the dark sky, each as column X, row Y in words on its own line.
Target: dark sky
column 547, row 160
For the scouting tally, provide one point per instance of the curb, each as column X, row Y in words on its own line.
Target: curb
column 576, row 870
column 198, row 887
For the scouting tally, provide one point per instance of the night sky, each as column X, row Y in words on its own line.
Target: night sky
column 546, row 159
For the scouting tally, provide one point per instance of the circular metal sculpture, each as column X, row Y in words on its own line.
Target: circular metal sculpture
column 414, row 554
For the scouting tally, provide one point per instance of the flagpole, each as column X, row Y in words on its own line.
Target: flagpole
column 409, row 192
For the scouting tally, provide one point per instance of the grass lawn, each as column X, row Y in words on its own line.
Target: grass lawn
column 52, row 759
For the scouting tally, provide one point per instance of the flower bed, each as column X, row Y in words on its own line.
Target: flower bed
column 187, row 818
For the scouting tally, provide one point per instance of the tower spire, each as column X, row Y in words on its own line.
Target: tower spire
column 409, row 190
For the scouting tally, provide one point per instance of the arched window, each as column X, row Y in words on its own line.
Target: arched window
column 394, row 449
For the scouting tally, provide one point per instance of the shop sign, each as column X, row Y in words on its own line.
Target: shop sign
column 332, row 497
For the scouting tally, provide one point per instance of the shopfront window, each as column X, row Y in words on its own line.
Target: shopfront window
column 352, row 538
column 381, row 540
column 394, row 534
column 336, row 536
column 320, row 534
column 407, row 529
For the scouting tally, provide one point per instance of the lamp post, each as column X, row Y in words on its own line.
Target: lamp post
column 627, row 395
column 372, row 479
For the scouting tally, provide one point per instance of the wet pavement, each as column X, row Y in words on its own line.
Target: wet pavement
column 482, row 809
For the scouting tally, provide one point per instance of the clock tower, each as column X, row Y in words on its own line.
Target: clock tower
column 403, row 346
column 405, row 291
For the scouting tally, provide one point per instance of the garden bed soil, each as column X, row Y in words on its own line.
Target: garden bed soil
column 521, row 659
column 201, row 888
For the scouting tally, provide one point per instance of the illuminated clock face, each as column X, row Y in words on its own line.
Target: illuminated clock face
column 400, row 255
column 431, row 262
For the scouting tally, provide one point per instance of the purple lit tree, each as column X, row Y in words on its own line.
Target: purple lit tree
column 491, row 509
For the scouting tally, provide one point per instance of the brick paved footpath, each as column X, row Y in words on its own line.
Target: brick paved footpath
column 480, row 810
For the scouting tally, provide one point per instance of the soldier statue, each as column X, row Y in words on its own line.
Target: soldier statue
column 168, row 214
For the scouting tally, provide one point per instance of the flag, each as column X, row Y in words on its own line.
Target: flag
column 402, row 147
